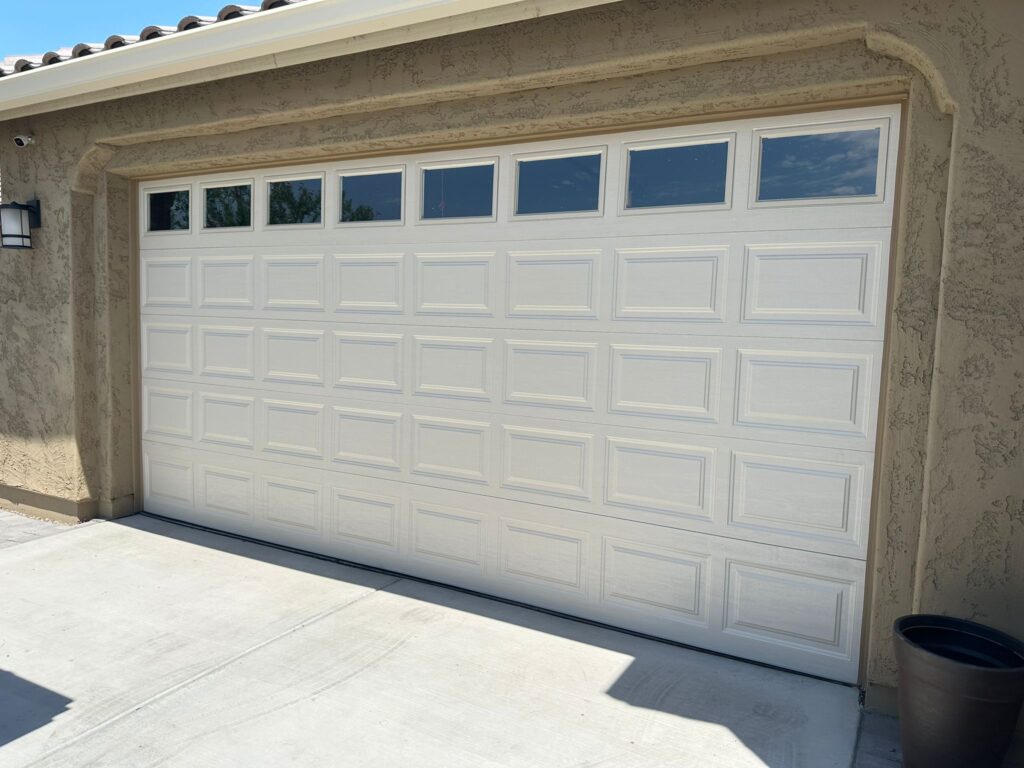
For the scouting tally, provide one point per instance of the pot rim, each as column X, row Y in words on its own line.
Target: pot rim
column 938, row 621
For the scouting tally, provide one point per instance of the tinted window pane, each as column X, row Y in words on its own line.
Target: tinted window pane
column 559, row 185
column 841, row 164
column 168, row 211
column 454, row 193
column 371, row 197
column 294, row 202
column 691, row 175
column 228, row 206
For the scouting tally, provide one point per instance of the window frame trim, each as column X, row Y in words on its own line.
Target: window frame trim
column 377, row 170
column 600, row 150
column 883, row 124
column 423, row 167
column 203, row 186
column 729, row 138
column 268, row 180
column 186, row 187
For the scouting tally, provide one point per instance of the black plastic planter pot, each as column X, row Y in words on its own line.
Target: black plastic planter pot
column 960, row 690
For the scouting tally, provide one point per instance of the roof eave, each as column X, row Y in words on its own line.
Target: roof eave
column 285, row 36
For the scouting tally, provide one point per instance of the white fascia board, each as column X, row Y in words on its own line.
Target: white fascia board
column 266, row 40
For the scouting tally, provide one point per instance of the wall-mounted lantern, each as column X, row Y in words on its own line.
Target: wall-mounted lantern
column 17, row 220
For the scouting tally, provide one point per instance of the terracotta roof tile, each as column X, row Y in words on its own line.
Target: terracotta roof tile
column 13, row 65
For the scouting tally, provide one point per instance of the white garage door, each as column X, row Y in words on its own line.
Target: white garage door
column 630, row 377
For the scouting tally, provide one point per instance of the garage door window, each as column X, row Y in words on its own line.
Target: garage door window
column 569, row 184
column 227, row 206
column 666, row 176
column 371, row 196
column 459, row 192
column 294, row 201
column 169, row 211
column 822, row 165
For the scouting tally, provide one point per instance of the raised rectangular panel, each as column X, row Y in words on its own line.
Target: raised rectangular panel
column 371, row 283
column 826, row 283
column 167, row 412
column 809, row 391
column 553, row 283
column 295, row 504
column 227, row 419
column 371, row 361
column 681, row 283
column 167, row 282
column 295, row 357
column 660, row 477
column 678, row 382
column 167, row 347
column 547, row 461
column 452, row 367
column 550, row 373
column 230, row 491
column 451, row 448
column 364, row 518
column 367, row 438
column 293, row 428
column 293, row 282
column 454, row 284
column 542, row 553
column 801, row 497
column 788, row 607
column 228, row 351
column 643, row 576
column 226, row 282
column 447, row 534
column 168, row 481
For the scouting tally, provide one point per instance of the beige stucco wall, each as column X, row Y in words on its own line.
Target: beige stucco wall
column 949, row 514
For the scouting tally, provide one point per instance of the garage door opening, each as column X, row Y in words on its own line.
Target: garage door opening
column 630, row 377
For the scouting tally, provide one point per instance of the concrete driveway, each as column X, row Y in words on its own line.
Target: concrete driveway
column 144, row 643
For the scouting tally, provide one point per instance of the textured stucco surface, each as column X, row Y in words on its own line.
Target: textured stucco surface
column 949, row 514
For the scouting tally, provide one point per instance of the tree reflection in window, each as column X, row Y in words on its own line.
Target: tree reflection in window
column 228, row 206
column 294, row 202
column 371, row 197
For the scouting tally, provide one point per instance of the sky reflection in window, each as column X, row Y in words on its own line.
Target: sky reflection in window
column 688, row 175
column 838, row 164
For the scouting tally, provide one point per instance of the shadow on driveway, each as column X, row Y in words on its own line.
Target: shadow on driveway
column 25, row 706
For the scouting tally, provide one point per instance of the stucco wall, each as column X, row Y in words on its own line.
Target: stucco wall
column 949, row 513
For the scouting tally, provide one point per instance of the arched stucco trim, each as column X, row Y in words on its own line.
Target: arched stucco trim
column 875, row 39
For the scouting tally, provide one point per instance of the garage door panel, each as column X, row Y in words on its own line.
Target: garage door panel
column 802, row 497
column 675, row 282
column 227, row 419
column 367, row 361
column 456, row 284
column 369, row 284
column 667, row 478
column 704, row 590
column 167, row 412
column 167, row 347
column 226, row 282
column 456, row 368
column 817, row 392
column 226, row 351
column 550, row 373
column 803, row 284
column 657, row 411
column 554, row 284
